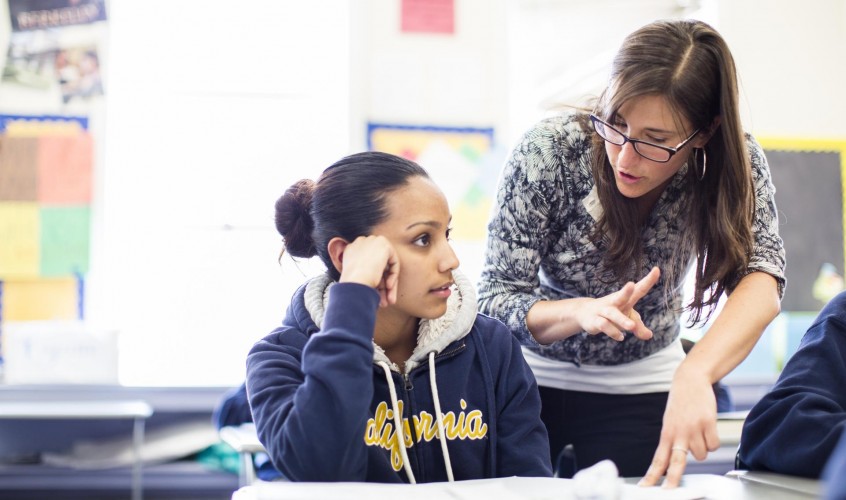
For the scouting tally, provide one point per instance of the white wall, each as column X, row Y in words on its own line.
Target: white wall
column 431, row 79
column 790, row 56
column 561, row 50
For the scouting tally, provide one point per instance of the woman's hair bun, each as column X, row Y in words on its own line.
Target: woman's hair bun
column 293, row 219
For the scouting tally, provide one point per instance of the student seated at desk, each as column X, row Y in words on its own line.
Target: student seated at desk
column 794, row 428
column 388, row 339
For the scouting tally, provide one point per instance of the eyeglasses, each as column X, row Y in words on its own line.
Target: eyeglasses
column 654, row 152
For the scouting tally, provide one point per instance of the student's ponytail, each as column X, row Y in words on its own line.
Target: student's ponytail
column 293, row 219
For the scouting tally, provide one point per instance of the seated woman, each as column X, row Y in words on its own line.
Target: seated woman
column 382, row 369
column 794, row 428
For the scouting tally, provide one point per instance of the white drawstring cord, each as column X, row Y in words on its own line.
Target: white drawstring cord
column 400, row 430
column 439, row 417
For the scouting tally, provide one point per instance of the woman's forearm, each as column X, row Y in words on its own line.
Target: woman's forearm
column 753, row 304
column 551, row 320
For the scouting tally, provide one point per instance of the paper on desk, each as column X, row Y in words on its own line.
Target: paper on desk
column 633, row 492
column 510, row 488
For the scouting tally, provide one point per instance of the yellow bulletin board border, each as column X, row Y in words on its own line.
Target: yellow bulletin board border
column 809, row 145
column 416, row 133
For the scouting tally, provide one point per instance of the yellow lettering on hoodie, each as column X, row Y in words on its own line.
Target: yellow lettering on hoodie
column 380, row 429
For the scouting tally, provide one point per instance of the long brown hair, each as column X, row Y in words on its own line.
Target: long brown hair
column 690, row 65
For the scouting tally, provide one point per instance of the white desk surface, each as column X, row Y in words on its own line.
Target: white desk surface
column 803, row 485
column 694, row 486
column 242, row 438
column 74, row 409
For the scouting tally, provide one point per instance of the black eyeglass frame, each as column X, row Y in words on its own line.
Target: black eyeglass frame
column 671, row 151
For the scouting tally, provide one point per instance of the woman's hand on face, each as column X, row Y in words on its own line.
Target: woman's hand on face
column 690, row 425
column 372, row 261
column 614, row 314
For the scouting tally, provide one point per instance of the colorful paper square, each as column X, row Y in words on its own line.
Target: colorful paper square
column 40, row 299
column 65, row 169
column 65, row 240
column 18, row 169
column 20, row 237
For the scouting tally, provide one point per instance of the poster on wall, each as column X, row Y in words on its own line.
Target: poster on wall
column 36, row 60
column 464, row 162
column 46, row 170
column 54, row 50
column 44, row 14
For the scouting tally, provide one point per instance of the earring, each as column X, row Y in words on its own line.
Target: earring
column 704, row 161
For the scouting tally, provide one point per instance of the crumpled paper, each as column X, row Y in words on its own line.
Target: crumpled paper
column 600, row 481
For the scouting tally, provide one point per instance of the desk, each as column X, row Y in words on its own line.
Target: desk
column 800, row 485
column 244, row 440
column 138, row 411
column 729, row 427
column 694, row 486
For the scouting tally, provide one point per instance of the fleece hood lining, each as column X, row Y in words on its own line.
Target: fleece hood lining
column 433, row 335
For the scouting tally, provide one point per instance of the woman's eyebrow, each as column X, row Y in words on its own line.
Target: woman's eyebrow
column 432, row 223
column 619, row 116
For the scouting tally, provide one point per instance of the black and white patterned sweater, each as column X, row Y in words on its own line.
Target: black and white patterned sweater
column 538, row 244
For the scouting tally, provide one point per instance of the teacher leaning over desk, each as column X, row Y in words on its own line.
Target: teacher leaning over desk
column 602, row 216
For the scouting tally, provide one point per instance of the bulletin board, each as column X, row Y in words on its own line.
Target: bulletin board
column 809, row 177
column 46, row 170
column 461, row 160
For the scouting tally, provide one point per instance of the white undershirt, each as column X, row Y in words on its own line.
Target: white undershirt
column 653, row 373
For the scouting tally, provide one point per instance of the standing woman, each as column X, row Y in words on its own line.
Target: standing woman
column 602, row 216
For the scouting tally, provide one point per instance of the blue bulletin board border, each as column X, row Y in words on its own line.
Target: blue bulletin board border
column 5, row 120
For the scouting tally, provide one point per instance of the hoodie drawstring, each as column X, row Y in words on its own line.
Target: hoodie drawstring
column 439, row 416
column 400, row 429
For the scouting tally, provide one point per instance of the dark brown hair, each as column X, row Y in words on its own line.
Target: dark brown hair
column 689, row 64
column 347, row 201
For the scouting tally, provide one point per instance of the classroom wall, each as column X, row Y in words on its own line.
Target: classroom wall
column 507, row 64
column 510, row 60
column 454, row 79
column 790, row 58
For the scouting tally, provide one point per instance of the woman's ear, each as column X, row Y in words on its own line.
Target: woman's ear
column 703, row 138
column 336, row 247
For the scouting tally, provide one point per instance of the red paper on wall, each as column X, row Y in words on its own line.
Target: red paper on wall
column 428, row 16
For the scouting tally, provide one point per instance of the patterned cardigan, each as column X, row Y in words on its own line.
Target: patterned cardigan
column 538, row 245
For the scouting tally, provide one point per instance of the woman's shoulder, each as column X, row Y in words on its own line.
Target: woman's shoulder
column 561, row 125
column 757, row 159
column 555, row 145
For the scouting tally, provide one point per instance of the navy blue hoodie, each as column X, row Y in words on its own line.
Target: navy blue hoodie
column 834, row 473
column 793, row 429
column 321, row 394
